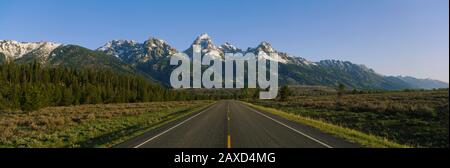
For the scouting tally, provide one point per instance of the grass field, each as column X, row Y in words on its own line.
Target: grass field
column 88, row 125
column 412, row 118
column 348, row 134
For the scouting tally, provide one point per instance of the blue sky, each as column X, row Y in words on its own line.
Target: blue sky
column 394, row 37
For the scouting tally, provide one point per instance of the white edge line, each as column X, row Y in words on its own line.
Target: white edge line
column 156, row 136
column 316, row 140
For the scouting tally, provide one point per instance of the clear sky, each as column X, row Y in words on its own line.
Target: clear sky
column 394, row 37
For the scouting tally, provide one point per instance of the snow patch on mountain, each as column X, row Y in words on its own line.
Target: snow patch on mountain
column 134, row 52
column 229, row 48
column 207, row 45
column 14, row 50
column 265, row 47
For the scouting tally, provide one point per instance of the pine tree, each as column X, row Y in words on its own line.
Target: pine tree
column 284, row 93
column 31, row 99
column 341, row 90
column 67, row 97
column 244, row 93
column 255, row 94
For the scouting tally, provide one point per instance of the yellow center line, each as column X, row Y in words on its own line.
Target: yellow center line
column 229, row 142
column 228, row 126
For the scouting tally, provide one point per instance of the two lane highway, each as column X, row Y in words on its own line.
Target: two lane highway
column 231, row 124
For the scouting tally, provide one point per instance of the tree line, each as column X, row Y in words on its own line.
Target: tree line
column 30, row 86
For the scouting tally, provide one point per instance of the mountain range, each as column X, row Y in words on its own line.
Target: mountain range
column 151, row 60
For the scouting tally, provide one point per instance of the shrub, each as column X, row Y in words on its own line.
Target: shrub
column 425, row 112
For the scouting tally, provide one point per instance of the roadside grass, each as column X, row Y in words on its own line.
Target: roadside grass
column 417, row 118
column 103, row 125
column 348, row 134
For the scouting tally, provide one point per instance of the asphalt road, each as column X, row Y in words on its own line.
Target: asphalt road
column 231, row 124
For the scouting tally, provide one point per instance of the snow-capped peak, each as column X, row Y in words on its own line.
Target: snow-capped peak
column 153, row 42
column 229, row 48
column 114, row 43
column 204, row 36
column 207, row 46
column 158, row 48
column 132, row 51
column 15, row 50
column 205, row 41
column 266, row 47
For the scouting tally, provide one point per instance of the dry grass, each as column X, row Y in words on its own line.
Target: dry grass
column 414, row 118
column 77, row 125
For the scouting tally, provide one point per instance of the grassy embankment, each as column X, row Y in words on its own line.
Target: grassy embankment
column 102, row 125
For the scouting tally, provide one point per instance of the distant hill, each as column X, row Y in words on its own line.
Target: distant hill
column 423, row 83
